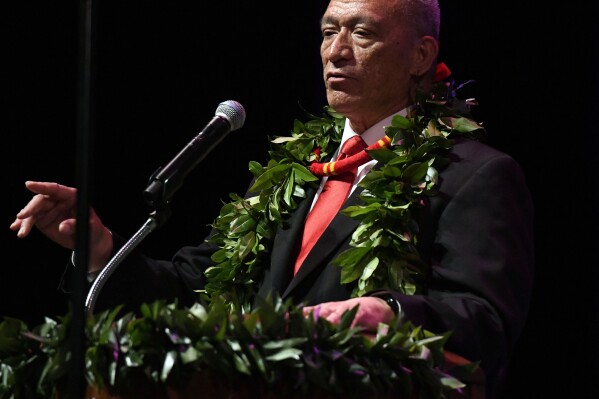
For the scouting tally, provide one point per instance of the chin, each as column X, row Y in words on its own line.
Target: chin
column 342, row 102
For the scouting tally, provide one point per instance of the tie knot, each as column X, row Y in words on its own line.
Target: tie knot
column 351, row 156
column 352, row 146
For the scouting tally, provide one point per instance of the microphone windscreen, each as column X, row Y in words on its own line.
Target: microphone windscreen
column 233, row 112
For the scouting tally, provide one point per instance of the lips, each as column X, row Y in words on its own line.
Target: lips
column 335, row 74
column 336, row 77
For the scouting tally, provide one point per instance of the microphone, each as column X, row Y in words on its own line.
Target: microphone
column 229, row 116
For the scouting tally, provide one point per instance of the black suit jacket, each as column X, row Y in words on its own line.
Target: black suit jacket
column 476, row 235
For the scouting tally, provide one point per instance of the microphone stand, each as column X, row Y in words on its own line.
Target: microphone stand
column 85, row 134
column 156, row 219
column 230, row 115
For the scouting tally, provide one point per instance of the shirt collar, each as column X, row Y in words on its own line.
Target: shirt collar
column 373, row 133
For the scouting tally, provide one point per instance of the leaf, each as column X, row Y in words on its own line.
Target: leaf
column 283, row 139
column 370, row 268
column 221, row 255
column 241, row 364
column 242, row 224
column 167, row 366
column 347, row 319
column 451, row 382
column 269, row 177
column 351, row 256
column 401, row 122
column 352, row 262
column 391, row 172
column 302, row 174
column 289, row 190
column 246, row 244
column 288, row 353
column 382, row 155
column 415, row 172
column 255, row 168
column 284, row 343
column 190, row 355
column 358, row 210
column 461, row 124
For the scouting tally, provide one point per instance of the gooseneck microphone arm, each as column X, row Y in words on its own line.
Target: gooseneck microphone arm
column 229, row 116
column 150, row 225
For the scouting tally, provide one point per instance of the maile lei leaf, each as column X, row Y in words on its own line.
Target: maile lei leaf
column 383, row 251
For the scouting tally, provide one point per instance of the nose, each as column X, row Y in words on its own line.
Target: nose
column 340, row 47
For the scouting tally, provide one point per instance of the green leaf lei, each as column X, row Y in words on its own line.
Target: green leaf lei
column 383, row 251
column 273, row 351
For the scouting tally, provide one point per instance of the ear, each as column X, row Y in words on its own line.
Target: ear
column 425, row 56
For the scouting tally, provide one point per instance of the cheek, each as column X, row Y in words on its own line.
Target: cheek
column 387, row 69
column 374, row 62
column 324, row 52
column 377, row 74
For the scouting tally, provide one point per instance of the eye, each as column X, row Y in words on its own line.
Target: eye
column 364, row 33
column 328, row 32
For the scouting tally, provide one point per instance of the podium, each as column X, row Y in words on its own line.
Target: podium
column 206, row 384
column 275, row 351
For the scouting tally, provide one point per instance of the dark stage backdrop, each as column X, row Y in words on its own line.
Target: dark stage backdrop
column 162, row 69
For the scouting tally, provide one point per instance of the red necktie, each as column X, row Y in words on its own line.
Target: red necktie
column 333, row 195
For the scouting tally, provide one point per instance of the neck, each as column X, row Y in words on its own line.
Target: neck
column 374, row 130
column 361, row 122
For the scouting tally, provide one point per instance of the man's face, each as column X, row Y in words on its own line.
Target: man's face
column 366, row 56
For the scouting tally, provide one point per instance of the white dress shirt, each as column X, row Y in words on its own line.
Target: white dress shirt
column 370, row 136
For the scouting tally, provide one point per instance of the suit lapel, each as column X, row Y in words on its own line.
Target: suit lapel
column 285, row 245
column 335, row 234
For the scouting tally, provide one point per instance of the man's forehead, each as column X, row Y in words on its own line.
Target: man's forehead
column 354, row 11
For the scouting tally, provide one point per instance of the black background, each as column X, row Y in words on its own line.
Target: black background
column 162, row 69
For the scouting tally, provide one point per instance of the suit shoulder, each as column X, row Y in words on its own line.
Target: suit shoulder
column 476, row 154
column 474, row 161
column 471, row 148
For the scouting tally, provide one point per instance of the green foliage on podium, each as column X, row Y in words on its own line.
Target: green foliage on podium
column 274, row 347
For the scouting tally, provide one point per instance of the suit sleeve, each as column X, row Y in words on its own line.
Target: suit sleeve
column 141, row 279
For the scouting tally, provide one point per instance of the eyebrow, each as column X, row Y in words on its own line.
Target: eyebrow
column 327, row 19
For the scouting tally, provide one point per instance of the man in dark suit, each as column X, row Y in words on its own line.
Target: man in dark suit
column 475, row 235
